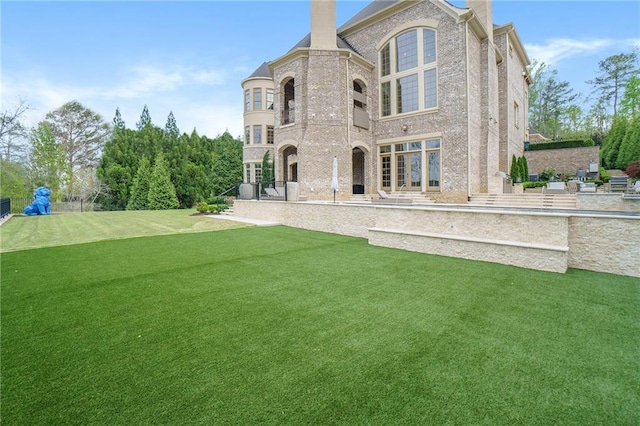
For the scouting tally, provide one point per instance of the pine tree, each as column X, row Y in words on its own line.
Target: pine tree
column 145, row 119
column 139, row 199
column 162, row 193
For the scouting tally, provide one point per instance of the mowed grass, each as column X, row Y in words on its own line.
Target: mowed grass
column 285, row 326
column 29, row 232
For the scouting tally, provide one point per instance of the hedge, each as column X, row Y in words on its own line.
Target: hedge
column 577, row 143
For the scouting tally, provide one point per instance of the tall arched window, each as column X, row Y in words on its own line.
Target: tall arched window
column 289, row 102
column 408, row 72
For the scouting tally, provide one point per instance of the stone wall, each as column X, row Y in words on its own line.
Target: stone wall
column 607, row 202
column 566, row 161
column 536, row 240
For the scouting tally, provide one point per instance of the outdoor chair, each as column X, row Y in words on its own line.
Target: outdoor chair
column 618, row 184
column 271, row 192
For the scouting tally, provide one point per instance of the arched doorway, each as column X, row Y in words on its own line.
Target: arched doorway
column 358, row 171
column 290, row 164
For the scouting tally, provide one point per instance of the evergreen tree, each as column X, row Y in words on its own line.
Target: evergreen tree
column 171, row 128
column 139, row 199
column 162, row 193
column 145, row 119
column 118, row 123
column 613, row 141
column 515, row 169
column 615, row 71
column 630, row 146
column 267, row 168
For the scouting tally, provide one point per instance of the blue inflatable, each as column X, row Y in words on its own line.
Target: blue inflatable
column 41, row 203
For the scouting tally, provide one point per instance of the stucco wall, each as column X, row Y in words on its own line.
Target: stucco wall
column 535, row 240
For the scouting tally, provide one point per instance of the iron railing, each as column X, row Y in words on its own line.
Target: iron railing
column 5, row 207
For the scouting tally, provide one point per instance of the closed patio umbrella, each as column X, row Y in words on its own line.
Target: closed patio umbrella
column 334, row 179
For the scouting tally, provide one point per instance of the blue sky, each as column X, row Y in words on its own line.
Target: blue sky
column 190, row 57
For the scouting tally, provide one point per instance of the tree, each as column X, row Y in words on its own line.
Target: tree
column 81, row 134
column 630, row 103
column 47, row 159
column 549, row 100
column 267, row 168
column 612, row 142
column 162, row 193
column 630, row 146
column 14, row 179
column 226, row 169
column 615, row 71
column 139, row 199
column 145, row 119
column 13, row 133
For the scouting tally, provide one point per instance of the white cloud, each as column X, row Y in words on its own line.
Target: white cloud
column 186, row 91
column 557, row 50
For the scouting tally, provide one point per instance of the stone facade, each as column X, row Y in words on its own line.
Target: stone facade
column 322, row 92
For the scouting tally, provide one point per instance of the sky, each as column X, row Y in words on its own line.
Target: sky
column 189, row 57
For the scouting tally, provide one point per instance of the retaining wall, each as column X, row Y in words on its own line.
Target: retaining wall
column 545, row 241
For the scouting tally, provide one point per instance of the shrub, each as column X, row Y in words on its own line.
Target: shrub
column 633, row 169
column 560, row 145
column 604, row 175
column 549, row 174
column 202, row 207
column 221, row 207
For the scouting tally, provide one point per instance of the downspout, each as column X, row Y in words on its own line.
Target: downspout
column 348, row 103
column 466, row 33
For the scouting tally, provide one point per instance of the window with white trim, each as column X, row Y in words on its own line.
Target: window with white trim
column 257, row 134
column 408, row 72
column 247, row 100
column 257, row 98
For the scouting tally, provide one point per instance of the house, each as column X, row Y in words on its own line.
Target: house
column 414, row 96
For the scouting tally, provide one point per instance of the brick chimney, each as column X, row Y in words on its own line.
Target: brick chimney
column 483, row 10
column 323, row 24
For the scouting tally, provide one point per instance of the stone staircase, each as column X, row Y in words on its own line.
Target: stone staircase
column 548, row 201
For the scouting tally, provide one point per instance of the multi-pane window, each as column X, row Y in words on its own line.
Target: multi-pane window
column 247, row 135
column 257, row 99
column 270, row 137
column 257, row 134
column 412, row 166
column 406, row 51
column 247, row 173
column 385, row 101
column 407, row 93
column 430, row 89
column 269, row 98
column 258, row 172
column 408, row 76
column 247, row 100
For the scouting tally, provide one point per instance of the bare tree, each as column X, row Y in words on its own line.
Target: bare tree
column 13, row 134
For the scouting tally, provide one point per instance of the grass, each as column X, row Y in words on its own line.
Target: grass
column 29, row 232
column 284, row 326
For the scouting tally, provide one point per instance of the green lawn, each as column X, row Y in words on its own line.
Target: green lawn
column 284, row 326
column 28, row 232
